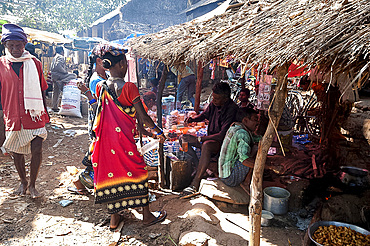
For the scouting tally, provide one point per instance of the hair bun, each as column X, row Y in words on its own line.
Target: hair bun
column 107, row 63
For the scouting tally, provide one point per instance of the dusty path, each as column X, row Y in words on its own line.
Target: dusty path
column 45, row 222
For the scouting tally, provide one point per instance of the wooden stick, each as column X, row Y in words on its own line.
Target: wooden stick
column 255, row 205
column 198, row 87
column 161, row 169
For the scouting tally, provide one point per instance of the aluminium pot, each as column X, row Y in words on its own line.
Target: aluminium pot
column 275, row 200
column 266, row 218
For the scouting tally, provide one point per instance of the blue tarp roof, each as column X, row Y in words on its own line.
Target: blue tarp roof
column 87, row 43
column 83, row 43
column 123, row 41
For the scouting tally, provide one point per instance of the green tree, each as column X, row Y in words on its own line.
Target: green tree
column 55, row 15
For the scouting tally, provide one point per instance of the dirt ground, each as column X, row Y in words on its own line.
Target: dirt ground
column 44, row 221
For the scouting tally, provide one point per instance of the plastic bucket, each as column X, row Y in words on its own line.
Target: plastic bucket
column 275, row 200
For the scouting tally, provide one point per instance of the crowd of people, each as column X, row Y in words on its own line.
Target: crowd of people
column 115, row 169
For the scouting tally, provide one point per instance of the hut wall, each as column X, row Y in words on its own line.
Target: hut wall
column 147, row 16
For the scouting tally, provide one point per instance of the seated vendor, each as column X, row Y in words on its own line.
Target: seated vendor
column 244, row 99
column 239, row 148
column 221, row 114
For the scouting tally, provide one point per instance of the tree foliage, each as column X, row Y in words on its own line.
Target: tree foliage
column 56, row 15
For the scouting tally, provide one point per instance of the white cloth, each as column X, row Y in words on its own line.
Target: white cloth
column 33, row 101
column 20, row 141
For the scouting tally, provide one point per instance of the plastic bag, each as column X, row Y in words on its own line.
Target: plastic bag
column 153, row 144
column 71, row 99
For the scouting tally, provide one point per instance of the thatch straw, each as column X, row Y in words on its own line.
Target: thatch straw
column 329, row 33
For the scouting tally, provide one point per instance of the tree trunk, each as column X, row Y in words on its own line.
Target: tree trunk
column 256, row 195
column 198, row 87
column 161, row 171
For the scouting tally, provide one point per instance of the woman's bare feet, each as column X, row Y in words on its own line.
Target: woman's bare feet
column 21, row 190
column 33, row 192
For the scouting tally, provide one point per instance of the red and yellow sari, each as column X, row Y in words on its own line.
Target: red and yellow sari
column 120, row 178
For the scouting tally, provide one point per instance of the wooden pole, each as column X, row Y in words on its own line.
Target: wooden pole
column 137, row 72
column 198, row 87
column 256, row 195
column 161, row 171
column 138, row 86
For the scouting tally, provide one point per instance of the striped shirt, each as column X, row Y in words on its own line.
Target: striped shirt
column 236, row 146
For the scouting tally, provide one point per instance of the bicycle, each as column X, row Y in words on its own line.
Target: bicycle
column 304, row 109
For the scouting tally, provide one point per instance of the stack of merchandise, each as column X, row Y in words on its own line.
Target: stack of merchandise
column 174, row 128
column 171, row 120
column 168, row 104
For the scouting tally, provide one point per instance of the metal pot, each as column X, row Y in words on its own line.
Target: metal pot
column 315, row 226
column 354, row 176
column 266, row 218
column 275, row 200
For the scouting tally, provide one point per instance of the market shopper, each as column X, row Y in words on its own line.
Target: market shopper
column 221, row 114
column 23, row 101
column 187, row 82
column 59, row 75
column 239, row 148
column 88, row 88
column 120, row 173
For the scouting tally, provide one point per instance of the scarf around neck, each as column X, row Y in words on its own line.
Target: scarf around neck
column 33, row 101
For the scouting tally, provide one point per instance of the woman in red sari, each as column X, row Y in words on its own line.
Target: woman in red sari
column 120, row 172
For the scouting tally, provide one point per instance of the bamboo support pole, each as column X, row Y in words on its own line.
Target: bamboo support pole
column 256, row 195
column 198, row 86
column 161, row 171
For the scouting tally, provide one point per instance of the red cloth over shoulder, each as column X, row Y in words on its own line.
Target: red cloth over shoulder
column 129, row 93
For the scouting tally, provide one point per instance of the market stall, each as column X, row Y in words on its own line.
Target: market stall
column 45, row 43
column 332, row 36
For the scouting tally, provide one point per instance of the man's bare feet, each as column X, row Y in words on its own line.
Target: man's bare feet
column 33, row 192
column 21, row 190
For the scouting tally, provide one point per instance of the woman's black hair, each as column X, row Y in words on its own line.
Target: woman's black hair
column 149, row 96
column 222, row 88
column 92, row 61
column 110, row 60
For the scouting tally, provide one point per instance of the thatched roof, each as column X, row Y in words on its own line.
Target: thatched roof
column 317, row 32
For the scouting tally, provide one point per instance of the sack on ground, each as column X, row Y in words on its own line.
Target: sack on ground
column 71, row 98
